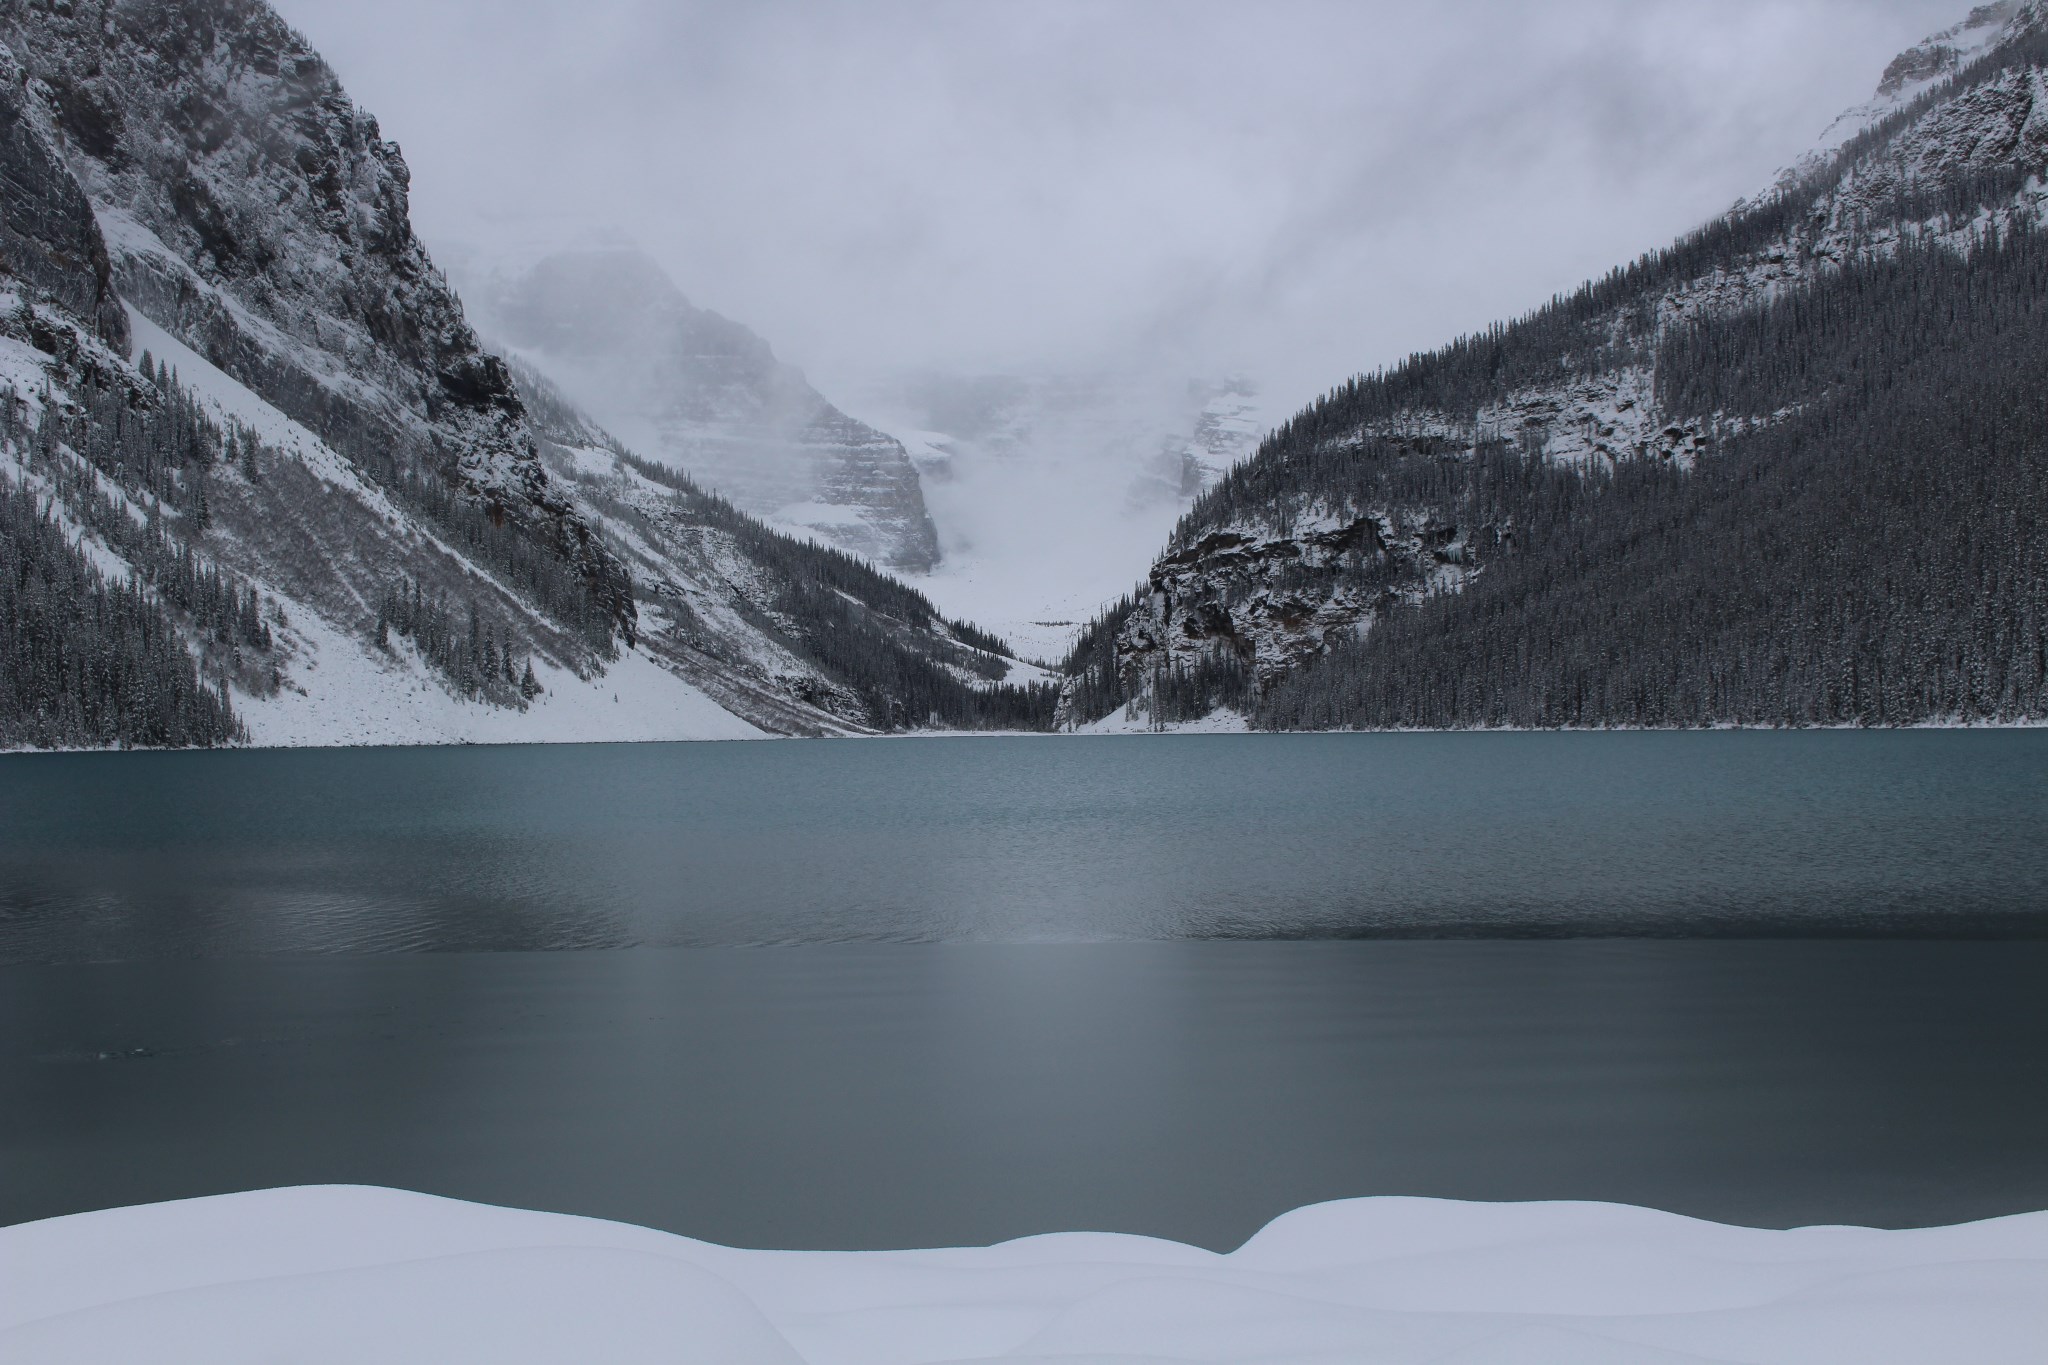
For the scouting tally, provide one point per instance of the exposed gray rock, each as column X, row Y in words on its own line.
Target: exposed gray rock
column 1259, row 584
column 252, row 210
column 1945, row 51
column 49, row 239
column 705, row 395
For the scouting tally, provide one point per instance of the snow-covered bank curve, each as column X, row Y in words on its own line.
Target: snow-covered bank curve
column 323, row 1276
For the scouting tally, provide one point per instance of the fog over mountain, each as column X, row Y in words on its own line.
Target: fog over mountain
column 1292, row 192
column 1016, row 238
column 704, row 395
column 270, row 482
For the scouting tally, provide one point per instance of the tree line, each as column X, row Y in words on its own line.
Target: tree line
column 478, row 662
column 1877, row 556
column 89, row 662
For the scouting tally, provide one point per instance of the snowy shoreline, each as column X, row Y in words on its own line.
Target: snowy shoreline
column 1091, row 732
column 332, row 1274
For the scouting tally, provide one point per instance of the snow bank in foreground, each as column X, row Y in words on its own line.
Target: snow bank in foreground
column 322, row 1276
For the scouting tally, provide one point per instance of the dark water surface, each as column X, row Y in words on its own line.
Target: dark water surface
column 122, row 856
column 1774, row 979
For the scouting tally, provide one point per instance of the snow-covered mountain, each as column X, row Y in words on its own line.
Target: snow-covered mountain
column 1049, row 490
column 801, row 639
column 1376, row 498
column 249, row 207
column 1915, row 72
column 706, row 396
column 258, row 477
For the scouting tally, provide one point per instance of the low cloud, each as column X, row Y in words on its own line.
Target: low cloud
column 1293, row 190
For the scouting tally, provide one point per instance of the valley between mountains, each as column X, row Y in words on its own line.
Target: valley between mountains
column 270, row 475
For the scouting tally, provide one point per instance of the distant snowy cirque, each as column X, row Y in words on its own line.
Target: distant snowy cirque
column 343, row 1276
column 706, row 396
column 1049, row 491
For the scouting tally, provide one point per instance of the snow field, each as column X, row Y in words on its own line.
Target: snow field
column 354, row 697
column 349, row 1275
column 1222, row 721
column 342, row 691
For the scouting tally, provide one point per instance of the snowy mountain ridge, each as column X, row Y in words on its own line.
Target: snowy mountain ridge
column 1951, row 153
column 716, row 585
column 706, row 396
column 1919, row 69
column 2001, row 125
column 262, row 448
column 259, row 477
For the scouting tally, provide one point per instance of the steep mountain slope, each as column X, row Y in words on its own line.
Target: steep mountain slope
column 85, row 657
column 1499, row 458
column 1877, row 555
column 707, row 397
column 259, row 480
column 252, row 211
column 1910, row 75
column 799, row 637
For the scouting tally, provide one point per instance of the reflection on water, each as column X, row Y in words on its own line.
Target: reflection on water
column 887, row 1095
column 224, row 971
column 175, row 855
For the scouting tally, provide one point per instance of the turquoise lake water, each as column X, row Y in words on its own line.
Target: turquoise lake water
column 907, row 993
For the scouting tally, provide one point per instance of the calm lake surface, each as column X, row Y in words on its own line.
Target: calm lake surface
column 869, row 994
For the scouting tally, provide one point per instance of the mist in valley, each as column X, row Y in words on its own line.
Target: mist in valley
column 1073, row 259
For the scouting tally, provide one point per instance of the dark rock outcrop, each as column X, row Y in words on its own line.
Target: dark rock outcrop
column 49, row 240
column 1610, row 380
column 253, row 211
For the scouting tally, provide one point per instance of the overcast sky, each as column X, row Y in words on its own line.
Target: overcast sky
column 1294, row 190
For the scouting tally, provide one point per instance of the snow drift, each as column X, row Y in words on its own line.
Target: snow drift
column 327, row 1275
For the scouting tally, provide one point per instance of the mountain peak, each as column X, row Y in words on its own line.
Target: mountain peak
column 1945, row 52
column 704, row 394
column 1910, row 75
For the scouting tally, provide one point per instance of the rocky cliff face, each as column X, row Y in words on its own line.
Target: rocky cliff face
column 252, row 452
column 253, row 212
column 215, row 559
column 705, row 395
column 1269, row 601
column 50, row 242
column 1918, row 68
column 1953, row 148
column 58, row 306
